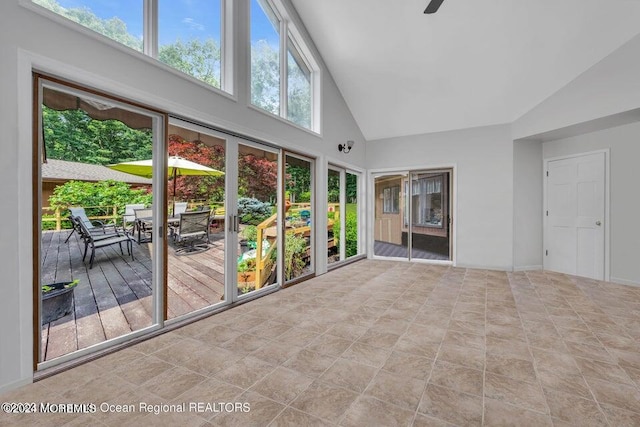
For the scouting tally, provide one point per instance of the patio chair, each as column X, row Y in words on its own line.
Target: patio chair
column 144, row 224
column 179, row 208
column 93, row 226
column 100, row 241
column 193, row 227
column 129, row 216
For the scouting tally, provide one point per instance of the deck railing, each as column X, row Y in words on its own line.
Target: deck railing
column 58, row 218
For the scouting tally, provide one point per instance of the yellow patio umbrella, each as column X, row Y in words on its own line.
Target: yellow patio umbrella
column 177, row 166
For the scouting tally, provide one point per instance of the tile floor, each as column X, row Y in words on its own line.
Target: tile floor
column 381, row 343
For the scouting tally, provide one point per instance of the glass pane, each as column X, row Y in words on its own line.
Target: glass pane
column 390, row 230
column 265, row 57
column 119, row 20
column 196, row 224
column 257, row 202
column 298, row 222
column 189, row 34
column 91, row 240
column 351, row 216
column 429, row 215
column 333, row 215
column 298, row 88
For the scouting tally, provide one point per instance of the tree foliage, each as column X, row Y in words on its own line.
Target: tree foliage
column 200, row 59
column 74, row 136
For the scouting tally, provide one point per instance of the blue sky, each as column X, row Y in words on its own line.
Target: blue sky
column 184, row 18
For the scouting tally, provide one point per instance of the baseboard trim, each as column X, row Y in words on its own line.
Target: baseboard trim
column 14, row 385
column 527, row 268
column 624, row 281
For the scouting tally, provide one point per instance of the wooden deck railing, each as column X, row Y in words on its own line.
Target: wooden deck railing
column 59, row 219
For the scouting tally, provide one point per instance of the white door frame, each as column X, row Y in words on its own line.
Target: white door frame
column 607, row 204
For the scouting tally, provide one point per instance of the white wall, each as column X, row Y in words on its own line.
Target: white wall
column 608, row 88
column 484, row 167
column 624, row 144
column 28, row 39
column 527, row 205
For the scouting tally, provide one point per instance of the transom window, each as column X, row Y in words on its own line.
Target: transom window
column 281, row 84
column 183, row 34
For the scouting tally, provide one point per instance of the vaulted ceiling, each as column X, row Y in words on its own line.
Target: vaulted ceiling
column 473, row 63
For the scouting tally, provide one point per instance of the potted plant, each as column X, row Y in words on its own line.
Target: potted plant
column 57, row 300
column 248, row 237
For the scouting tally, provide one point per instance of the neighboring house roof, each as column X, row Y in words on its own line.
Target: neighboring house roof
column 62, row 170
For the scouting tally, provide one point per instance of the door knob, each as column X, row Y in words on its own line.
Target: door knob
column 598, row 223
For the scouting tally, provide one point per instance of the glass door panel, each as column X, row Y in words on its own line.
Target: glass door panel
column 196, row 268
column 430, row 215
column 99, row 262
column 258, row 222
column 351, row 216
column 333, row 215
column 391, row 218
column 298, row 245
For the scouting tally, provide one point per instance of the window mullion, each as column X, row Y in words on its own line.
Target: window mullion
column 150, row 28
column 283, row 68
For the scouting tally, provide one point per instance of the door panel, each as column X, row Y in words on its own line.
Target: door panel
column 574, row 232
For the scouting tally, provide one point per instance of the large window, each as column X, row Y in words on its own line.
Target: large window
column 284, row 88
column 184, row 34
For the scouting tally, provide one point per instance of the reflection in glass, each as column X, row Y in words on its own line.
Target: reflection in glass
column 333, row 216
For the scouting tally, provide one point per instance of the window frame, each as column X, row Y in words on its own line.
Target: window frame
column 290, row 36
column 150, row 41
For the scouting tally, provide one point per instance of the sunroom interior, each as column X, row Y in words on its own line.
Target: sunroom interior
column 455, row 123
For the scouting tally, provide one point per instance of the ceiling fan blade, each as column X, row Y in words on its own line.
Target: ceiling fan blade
column 433, row 6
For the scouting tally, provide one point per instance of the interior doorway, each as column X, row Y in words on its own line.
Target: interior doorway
column 575, row 219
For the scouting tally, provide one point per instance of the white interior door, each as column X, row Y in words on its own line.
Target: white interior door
column 575, row 215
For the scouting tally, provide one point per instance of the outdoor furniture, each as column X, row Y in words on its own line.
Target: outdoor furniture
column 217, row 219
column 143, row 224
column 193, row 227
column 129, row 216
column 93, row 227
column 100, row 241
column 179, row 207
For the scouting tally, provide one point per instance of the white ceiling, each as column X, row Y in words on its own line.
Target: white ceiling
column 473, row 63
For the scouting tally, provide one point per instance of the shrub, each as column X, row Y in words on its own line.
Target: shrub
column 253, row 211
column 351, row 230
column 250, row 233
column 103, row 193
column 295, row 249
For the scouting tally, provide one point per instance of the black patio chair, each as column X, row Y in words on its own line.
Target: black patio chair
column 95, row 226
column 192, row 234
column 97, row 241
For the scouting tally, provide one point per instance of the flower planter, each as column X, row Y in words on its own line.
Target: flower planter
column 58, row 302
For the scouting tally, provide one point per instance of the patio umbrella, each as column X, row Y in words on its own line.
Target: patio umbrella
column 177, row 166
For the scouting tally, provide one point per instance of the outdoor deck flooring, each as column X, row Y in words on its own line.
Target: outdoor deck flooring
column 115, row 296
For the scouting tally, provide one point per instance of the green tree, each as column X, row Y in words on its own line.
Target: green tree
column 200, row 59
column 74, row 136
column 265, row 77
column 114, row 28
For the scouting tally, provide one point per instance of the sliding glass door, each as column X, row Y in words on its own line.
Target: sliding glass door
column 196, row 264
column 412, row 215
column 99, row 270
column 343, row 214
column 299, row 217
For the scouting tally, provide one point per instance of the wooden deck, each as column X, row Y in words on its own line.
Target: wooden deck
column 115, row 297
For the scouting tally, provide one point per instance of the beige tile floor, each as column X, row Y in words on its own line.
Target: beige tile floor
column 381, row 343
